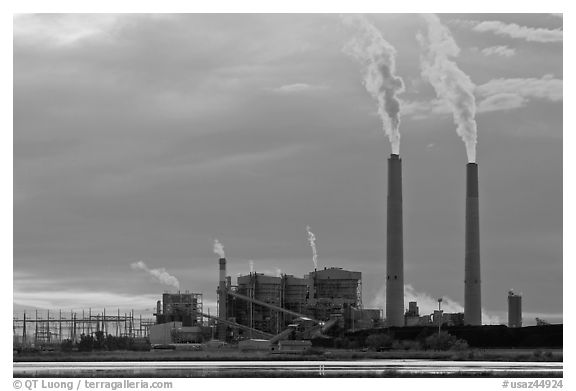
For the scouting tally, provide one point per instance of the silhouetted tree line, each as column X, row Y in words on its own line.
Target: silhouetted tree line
column 550, row 336
column 100, row 341
column 442, row 341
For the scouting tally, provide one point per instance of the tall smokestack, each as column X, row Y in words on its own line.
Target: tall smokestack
column 472, row 290
column 394, row 244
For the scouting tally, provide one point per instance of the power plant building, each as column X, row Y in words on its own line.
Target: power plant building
column 319, row 295
column 294, row 293
column 180, row 307
column 264, row 306
column 337, row 285
column 263, row 288
column 332, row 290
column 178, row 319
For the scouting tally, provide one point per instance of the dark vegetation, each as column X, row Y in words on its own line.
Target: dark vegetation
column 232, row 354
column 442, row 341
column 534, row 337
column 101, row 342
column 385, row 343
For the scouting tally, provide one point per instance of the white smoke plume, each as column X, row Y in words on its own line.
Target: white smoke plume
column 450, row 82
column 428, row 304
column 159, row 274
column 251, row 264
column 378, row 59
column 278, row 272
column 312, row 240
column 219, row 249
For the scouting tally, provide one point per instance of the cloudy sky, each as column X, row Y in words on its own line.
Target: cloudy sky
column 145, row 137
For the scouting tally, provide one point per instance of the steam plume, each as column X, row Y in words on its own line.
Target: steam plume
column 312, row 240
column 159, row 274
column 378, row 59
column 251, row 264
column 449, row 81
column 219, row 249
column 278, row 272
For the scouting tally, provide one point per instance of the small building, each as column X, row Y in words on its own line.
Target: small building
column 161, row 334
column 447, row 318
column 412, row 316
column 453, row 319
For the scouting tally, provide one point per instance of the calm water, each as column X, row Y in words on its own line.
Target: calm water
column 280, row 368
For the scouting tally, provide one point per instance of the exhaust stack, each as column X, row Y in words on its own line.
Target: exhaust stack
column 222, row 308
column 472, row 289
column 394, row 245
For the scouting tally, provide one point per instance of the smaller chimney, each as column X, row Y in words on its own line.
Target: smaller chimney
column 222, row 262
column 514, row 309
column 222, row 300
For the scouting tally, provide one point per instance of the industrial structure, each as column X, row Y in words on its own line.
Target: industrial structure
column 274, row 309
column 321, row 294
column 180, row 307
column 472, row 287
column 179, row 319
column 412, row 316
column 438, row 317
column 394, row 245
column 285, row 307
column 285, row 312
column 279, row 310
column 514, row 309
column 44, row 328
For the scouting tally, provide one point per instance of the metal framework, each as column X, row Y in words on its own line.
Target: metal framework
column 45, row 328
